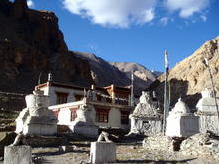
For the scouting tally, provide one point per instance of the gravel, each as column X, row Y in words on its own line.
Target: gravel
column 126, row 153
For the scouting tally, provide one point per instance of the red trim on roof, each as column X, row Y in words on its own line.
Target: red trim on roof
column 56, row 84
column 63, row 85
column 41, row 85
column 117, row 88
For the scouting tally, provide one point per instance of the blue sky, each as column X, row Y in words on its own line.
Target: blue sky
column 135, row 30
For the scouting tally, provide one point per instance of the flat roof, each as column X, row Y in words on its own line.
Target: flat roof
column 64, row 85
column 57, row 84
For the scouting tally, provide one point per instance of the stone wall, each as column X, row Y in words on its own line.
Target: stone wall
column 158, row 142
column 146, row 126
column 208, row 122
column 6, row 100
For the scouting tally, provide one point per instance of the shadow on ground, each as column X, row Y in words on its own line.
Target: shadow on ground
column 156, row 162
column 59, row 153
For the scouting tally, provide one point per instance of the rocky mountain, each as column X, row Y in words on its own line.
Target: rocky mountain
column 156, row 73
column 31, row 43
column 139, row 70
column 105, row 73
column 143, row 76
column 190, row 76
column 31, row 46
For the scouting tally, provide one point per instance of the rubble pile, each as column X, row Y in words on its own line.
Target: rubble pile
column 158, row 142
column 202, row 144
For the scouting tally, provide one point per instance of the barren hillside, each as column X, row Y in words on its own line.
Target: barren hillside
column 190, row 76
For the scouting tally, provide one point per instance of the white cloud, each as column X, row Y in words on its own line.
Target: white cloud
column 30, row 3
column 203, row 18
column 187, row 7
column 165, row 20
column 116, row 13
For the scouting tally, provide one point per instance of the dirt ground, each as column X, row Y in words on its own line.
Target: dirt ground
column 126, row 153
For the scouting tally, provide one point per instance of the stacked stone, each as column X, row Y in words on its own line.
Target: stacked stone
column 158, row 142
column 201, row 145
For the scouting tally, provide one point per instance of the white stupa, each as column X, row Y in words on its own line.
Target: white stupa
column 207, row 112
column 36, row 118
column 181, row 122
column 207, row 102
column 145, row 119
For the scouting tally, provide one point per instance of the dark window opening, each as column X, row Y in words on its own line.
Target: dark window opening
column 102, row 115
column 79, row 97
column 99, row 98
column 125, row 117
column 56, row 113
column 73, row 114
column 61, row 97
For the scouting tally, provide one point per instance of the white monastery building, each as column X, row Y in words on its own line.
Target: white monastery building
column 110, row 105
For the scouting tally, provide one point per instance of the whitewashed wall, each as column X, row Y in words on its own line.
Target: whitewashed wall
column 64, row 117
column 114, row 120
column 182, row 125
column 51, row 92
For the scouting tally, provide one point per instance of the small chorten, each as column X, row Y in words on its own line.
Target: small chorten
column 207, row 112
column 207, row 93
column 181, row 122
column 207, row 102
column 145, row 118
column 146, row 107
column 84, row 123
column 180, row 108
column 36, row 118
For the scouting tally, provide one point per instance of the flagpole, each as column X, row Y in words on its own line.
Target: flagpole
column 132, row 89
column 166, row 94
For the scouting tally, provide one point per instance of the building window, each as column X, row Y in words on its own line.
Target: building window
column 102, row 115
column 79, row 97
column 99, row 98
column 56, row 113
column 61, row 97
column 125, row 117
column 73, row 114
column 109, row 100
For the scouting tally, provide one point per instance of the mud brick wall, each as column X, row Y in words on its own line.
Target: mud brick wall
column 12, row 101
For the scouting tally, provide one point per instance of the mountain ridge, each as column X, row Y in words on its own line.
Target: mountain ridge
column 107, row 73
